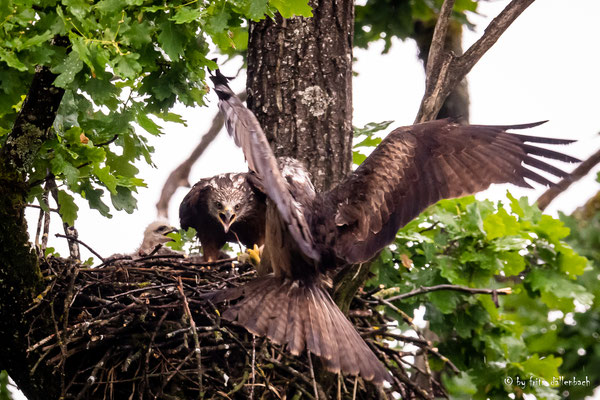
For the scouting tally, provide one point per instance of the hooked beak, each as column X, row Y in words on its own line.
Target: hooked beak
column 166, row 238
column 226, row 217
column 172, row 230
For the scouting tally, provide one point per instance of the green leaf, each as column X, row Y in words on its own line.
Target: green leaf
column 60, row 166
column 358, row 158
column 546, row 368
column 218, row 20
column 513, row 262
column 569, row 262
column 146, row 123
column 290, row 8
column 106, row 177
column 553, row 229
column 109, row 6
column 38, row 39
column 185, row 15
column 138, row 34
column 171, row 117
column 172, row 39
column 103, row 92
column 11, row 59
column 124, row 200
column 94, row 197
column 67, row 70
column 127, row 66
column 460, row 385
column 445, row 300
column 93, row 55
column 509, row 243
column 256, row 9
column 522, row 208
column 500, row 224
column 68, row 208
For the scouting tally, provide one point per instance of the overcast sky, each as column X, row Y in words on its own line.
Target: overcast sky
column 544, row 67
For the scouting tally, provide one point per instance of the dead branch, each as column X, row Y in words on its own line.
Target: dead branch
column 447, row 70
column 180, row 175
column 582, row 170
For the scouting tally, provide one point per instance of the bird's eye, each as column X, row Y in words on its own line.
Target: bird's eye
column 237, row 207
column 162, row 228
column 219, row 205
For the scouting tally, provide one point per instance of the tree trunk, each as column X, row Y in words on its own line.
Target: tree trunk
column 300, row 87
column 20, row 277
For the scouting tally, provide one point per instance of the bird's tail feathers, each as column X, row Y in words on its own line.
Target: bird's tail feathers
column 303, row 315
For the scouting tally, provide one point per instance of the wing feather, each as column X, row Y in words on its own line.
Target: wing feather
column 244, row 128
column 416, row 166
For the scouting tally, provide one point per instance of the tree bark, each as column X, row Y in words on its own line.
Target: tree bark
column 457, row 104
column 20, row 277
column 300, row 87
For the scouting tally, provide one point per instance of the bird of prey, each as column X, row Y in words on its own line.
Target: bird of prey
column 224, row 208
column 310, row 233
column 156, row 234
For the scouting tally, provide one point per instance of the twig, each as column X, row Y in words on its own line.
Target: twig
column 63, row 350
column 115, row 137
column 75, row 239
column 180, row 175
column 296, row 374
column 55, row 210
column 93, row 376
column 448, row 69
column 197, row 348
column 312, row 375
column 466, row 289
column 74, row 252
column 409, row 320
column 582, row 170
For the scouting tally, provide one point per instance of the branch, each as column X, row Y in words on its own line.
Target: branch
column 582, row 170
column 409, row 320
column 180, row 175
column 436, row 49
column 448, row 69
column 466, row 289
column 74, row 238
column 197, row 348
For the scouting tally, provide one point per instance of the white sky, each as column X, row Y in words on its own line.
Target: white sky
column 546, row 66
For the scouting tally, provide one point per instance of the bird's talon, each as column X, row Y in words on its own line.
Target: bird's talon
column 251, row 256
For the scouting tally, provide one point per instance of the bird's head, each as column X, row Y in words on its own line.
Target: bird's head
column 228, row 205
column 155, row 234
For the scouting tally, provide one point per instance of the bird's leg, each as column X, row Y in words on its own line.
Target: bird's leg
column 251, row 256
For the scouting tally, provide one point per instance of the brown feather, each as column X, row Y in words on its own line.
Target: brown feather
column 435, row 160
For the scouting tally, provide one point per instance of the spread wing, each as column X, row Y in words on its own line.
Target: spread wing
column 418, row 165
column 243, row 126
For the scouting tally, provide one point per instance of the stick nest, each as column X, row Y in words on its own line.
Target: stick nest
column 140, row 329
